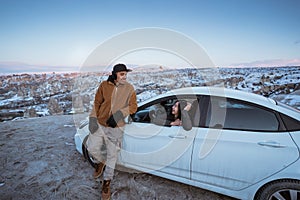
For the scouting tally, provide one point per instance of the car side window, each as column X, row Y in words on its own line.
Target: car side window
column 157, row 112
column 290, row 123
column 239, row 115
column 142, row 116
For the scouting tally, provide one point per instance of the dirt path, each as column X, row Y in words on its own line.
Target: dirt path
column 39, row 161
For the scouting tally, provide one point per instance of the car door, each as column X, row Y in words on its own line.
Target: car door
column 247, row 147
column 151, row 147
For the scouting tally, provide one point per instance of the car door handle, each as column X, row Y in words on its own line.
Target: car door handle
column 271, row 144
column 178, row 136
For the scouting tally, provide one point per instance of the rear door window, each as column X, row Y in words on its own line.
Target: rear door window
column 234, row 114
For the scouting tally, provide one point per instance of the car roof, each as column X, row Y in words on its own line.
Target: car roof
column 219, row 92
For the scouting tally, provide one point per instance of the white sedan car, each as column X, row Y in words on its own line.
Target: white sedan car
column 241, row 144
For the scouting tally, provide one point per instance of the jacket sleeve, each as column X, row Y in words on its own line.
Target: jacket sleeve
column 186, row 120
column 97, row 102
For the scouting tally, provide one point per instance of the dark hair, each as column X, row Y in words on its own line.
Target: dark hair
column 181, row 102
column 179, row 110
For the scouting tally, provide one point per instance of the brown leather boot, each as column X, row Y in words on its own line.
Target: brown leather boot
column 106, row 190
column 99, row 169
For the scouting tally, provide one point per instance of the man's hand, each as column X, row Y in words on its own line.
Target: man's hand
column 114, row 119
column 93, row 124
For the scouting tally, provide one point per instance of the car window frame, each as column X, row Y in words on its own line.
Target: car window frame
column 159, row 100
column 281, row 126
column 205, row 104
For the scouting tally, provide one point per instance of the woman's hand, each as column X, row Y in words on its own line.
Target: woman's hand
column 188, row 106
column 177, row 122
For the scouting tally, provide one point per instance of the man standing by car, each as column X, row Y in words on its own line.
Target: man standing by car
column 114, row 100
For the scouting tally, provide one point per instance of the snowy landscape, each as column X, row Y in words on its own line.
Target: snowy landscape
column 33, row 95
column 37, row 150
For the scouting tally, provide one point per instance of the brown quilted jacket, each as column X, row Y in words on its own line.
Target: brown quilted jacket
column 110, row 98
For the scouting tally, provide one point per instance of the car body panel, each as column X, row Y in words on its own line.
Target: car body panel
column 81, row 133
column 240, row 158
column 296, row 137
column 158, row 148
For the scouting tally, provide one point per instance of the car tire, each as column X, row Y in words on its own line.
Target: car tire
column 86, row 153
column 283, row 189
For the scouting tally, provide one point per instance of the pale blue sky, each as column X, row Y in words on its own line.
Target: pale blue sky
column 64, row 32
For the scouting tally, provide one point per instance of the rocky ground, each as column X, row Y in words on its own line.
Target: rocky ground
column 39, row 161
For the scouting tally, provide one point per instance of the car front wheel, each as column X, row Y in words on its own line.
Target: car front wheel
column 280, row 190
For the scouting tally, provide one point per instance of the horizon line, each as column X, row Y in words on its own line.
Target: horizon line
column 139, row 69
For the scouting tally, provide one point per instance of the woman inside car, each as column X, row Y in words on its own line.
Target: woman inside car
column 179, row 115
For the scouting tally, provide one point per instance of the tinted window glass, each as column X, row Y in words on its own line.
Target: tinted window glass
column 290, row 123
column 233, row 114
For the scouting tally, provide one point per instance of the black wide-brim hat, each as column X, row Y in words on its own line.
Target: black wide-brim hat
column 120, row 68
